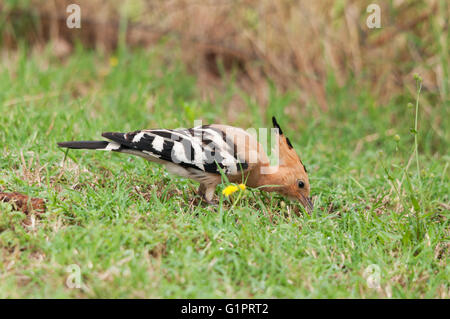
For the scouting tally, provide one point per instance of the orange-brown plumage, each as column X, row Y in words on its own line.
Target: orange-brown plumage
column 283, row 178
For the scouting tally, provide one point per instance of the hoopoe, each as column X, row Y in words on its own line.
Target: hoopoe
column 205, row 152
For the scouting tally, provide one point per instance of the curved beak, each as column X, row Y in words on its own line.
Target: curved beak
column 307, row 203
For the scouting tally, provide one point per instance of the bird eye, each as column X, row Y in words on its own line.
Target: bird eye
column 301, row 184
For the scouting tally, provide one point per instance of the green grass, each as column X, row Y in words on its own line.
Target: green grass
column 134, row 230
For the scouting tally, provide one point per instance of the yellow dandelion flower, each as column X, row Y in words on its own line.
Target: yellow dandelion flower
column 242, row 187
column 113, row 61
column 230, row 190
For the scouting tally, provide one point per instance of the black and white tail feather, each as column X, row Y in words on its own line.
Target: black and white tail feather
column 194, row 153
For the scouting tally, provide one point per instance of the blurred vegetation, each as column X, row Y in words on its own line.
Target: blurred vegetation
column 297, row 44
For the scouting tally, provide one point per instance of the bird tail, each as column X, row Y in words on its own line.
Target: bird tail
column 109, row 146
column 91, row 145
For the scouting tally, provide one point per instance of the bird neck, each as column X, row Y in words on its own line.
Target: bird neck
column 265, row 175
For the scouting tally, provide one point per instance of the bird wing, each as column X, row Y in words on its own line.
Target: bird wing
column 205, row 148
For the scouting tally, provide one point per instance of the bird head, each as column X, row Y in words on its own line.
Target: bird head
column 291, row 176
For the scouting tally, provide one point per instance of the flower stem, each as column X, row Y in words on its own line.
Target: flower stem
column 416, row 144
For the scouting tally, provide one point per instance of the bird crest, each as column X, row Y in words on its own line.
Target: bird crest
column 288, row 155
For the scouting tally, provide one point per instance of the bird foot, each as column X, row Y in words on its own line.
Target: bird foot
column 210, row 202
column 203, row 191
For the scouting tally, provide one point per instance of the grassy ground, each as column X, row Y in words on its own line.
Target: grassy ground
column 135, row 231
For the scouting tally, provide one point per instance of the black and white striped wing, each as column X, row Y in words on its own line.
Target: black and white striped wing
column 204, row 148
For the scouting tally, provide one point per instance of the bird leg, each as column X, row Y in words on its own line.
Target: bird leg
column 207, row 193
